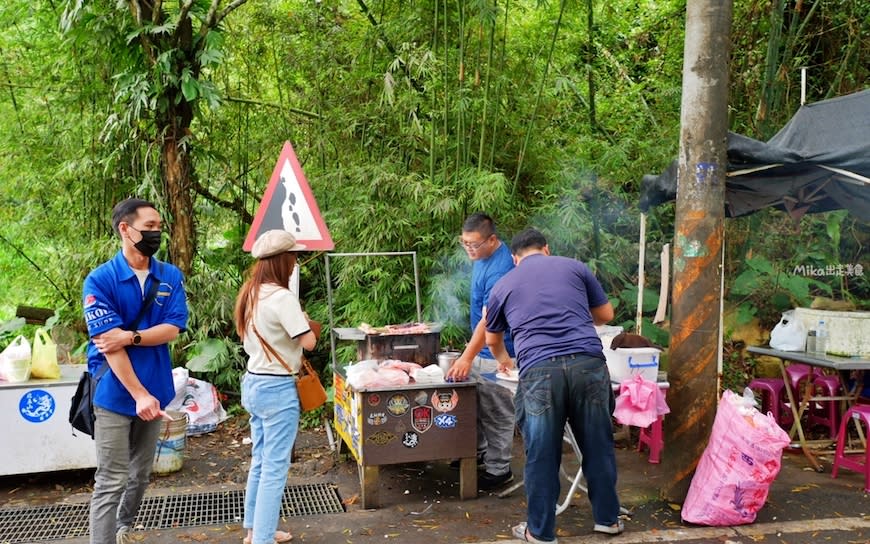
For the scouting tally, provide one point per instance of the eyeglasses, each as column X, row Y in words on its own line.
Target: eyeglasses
column 474, row 247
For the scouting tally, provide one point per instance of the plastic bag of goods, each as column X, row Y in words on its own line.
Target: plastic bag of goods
column 15, row 361
column 742, row 458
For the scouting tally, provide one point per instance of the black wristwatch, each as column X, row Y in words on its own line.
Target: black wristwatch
column 137, row 338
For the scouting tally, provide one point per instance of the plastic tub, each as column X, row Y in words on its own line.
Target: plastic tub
column 624, row 363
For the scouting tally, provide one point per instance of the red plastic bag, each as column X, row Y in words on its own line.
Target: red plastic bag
column 741, row 460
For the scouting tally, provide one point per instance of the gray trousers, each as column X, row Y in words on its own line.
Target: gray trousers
column 495, row 418
column 125, row 454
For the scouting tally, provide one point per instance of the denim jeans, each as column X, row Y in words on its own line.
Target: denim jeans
column 273, row 403
column 576, row 389
column 125, row 455
column 495, row 419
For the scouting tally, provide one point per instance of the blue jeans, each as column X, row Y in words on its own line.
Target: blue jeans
column 576, row 389
column 125, row 455
column 273, row 403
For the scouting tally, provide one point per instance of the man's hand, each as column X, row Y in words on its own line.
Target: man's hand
column 148, row 408
column 507, row 365
column 460, row 369
column 113, row 340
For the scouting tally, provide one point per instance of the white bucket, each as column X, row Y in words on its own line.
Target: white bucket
column 446, row 360
column 623, row 363
column 169, row 455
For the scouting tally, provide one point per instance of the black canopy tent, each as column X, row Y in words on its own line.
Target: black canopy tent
column 819, row 161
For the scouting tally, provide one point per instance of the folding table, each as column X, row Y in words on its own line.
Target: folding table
column 842, row 365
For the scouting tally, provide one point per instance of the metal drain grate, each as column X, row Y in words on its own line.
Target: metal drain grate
column 42, row 523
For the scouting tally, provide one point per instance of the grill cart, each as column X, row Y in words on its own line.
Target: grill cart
column 402, row 424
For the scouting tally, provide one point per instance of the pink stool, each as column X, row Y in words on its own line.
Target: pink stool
column 771, row 391
column 859, row 413
column 653, row 438
column 826, row 413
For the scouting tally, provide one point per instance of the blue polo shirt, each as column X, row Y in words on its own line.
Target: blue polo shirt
column 545, row 301
column 484, row 274
column 112, row 297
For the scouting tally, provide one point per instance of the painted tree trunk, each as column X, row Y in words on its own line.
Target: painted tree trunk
column 692, row 369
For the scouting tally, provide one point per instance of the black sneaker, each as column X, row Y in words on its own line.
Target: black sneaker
column 488, row 482
column 455, row 463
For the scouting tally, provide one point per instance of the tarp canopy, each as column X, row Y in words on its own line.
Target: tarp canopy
column 818, row 162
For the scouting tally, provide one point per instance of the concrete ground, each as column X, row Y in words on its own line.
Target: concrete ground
column 419, row 503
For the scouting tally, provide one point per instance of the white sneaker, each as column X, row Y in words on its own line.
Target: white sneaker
column 521, row 532
column 123, row 535
column 614, row 529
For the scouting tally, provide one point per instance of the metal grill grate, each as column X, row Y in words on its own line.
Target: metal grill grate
column 39, row 524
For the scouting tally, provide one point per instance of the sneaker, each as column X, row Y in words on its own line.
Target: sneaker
column 614, row 529
column 455, row 463
column 488, row 481
column 123, row 535
column 521, row 532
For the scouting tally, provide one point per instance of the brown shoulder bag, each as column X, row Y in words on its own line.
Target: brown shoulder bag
column 312, row 395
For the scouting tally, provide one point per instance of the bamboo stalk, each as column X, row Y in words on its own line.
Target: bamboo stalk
column 491, row 47
column 538, row 97
column 498, row 87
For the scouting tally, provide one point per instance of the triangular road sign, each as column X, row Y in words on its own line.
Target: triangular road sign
column 288, row 204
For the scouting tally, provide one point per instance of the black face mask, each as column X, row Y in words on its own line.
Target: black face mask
column 150, row 242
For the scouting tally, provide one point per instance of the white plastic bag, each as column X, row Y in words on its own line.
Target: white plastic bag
column 789, row 334
column 15, row 361
column 200, row 401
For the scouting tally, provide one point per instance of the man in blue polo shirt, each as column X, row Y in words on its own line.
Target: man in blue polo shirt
column 551, row 305
column 137, row 386
column 495, row 410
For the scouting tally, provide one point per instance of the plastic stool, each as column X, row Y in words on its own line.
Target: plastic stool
column 771, row 391
column 653, row 438
column 826, row 415
column 859, row 413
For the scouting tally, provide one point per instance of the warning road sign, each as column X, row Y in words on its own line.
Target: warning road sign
column 288, row 204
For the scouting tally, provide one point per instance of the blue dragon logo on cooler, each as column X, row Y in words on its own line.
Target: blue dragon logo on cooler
column 36, row 405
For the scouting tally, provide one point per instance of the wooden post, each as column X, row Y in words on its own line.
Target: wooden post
column 697, row 242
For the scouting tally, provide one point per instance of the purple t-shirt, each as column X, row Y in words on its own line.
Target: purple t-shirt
column 545, row 303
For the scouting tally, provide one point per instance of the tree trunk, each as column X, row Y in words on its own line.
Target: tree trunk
column 177, row 172
column 692, row 370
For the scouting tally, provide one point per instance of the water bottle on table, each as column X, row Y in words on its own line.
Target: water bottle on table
column 821, row 338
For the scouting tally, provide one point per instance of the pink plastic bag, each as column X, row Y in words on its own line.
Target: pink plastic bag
column 741, row 460
column 640, row 402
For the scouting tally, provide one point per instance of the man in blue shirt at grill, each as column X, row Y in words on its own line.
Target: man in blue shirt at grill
column 551, row 305
column 495, row 411
column 134, row 305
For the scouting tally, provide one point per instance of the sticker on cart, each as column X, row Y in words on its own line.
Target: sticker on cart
column 36, row 405
column 374, row 399
column 377, row 418
column 421, row 418
column 421, row 398
column 398, row 404
column 381, row 438
column 445, row 402
column 445, row 421
column 410, row 439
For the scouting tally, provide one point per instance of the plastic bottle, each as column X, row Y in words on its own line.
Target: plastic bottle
column 821, row 338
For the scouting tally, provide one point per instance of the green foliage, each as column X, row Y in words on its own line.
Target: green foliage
column 737, row 370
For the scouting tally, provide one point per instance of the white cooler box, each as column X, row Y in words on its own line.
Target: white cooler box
column 624, row 363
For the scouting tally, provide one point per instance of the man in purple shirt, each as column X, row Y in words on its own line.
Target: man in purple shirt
column 551, row 306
